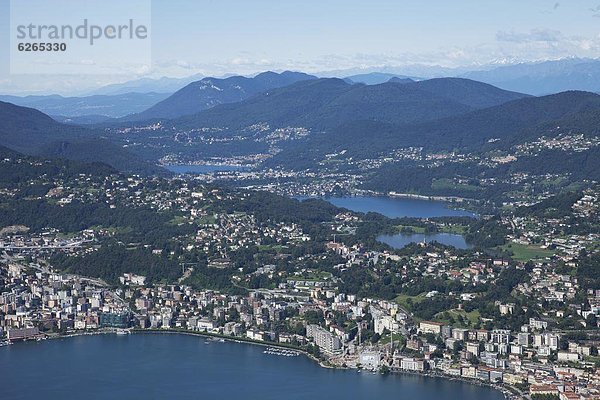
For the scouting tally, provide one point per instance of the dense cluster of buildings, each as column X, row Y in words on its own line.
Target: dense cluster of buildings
column 299, row 300
column 36, row 304
column 35, row 300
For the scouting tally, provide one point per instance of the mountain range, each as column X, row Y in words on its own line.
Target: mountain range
column 113, row 106
column 364, row 121
column 146, row 85
column 329, row 102
column 209, row 92
column 543, row 78
column 367, row 121
column 375, row 78
column 32, row 132
column 534, row 78
column 137, row 100
column 497, row 127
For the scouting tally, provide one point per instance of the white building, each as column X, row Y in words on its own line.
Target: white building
column 412, row 364
column 327, row 341
column 537, row 324
column 370, row 359
column 565, row 356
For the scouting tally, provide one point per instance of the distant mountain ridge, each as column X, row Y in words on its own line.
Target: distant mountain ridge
column 510, row 123
column 330, row 102
column 32, row 132
column 91, row 119
column 14, row 171
column 536, row 78
column 357, row 120
column 542, row 78
column 395, row 79
column 146, row 85
column 101, row 105
column 209, row 92
column 506, row 122
column 374, row 78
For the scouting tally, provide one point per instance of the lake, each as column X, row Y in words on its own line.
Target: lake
column 168, row 366
column 400, row 240
column 395, row 207
column 203, row 169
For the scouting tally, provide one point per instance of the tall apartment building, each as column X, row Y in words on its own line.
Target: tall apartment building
column 327, row 341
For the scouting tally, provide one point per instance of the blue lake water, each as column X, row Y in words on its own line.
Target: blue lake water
column 155, row 366
column 394, row 207
column 203, row 169
column 400, row 240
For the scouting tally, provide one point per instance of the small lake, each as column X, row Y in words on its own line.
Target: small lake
column 169, row 366
column 204, row 168
column 400, row 240
column 395, row 207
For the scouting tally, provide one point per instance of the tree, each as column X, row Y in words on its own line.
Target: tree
column 375, row 338
column 591, row 321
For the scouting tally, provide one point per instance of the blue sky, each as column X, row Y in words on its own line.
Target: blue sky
column 247, row 36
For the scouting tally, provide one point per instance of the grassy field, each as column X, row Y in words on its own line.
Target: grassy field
column 472, row 317
column 207, row 219
column 414, row 229
column 402, row 300
column 458, row 229
column 178, row 220
column 399, row 340
column 313, row 275
column 525, row 253
column 458, row 315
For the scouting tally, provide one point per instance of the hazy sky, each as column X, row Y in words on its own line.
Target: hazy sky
column 247, row 36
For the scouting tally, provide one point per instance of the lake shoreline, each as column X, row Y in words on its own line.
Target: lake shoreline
column 235, row 339
column 397, row 207
column 113, row 331
column 447, row 199
column 506, row 392
column 400, row 240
